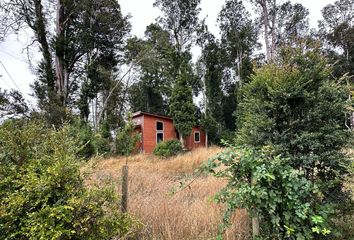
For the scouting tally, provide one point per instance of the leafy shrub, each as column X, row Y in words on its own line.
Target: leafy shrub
column 126, row 139
column 288, row 205
column 295, row 106
column 168, row 148
column 43, row 195
column 89, row 142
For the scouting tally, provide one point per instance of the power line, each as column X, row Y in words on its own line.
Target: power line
column 13, row 81
column 5, row 82
column 18, row 59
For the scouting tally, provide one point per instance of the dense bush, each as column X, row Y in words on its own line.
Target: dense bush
column 43, row 195
column 168, row 148
column 299, row 108
column 127, row 138
column 89, row 142
column 288, row 204
column 296, row 107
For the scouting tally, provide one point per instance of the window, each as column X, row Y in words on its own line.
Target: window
column 159, row 137
column 197, row 137
column 159, row 126
column 159, row 132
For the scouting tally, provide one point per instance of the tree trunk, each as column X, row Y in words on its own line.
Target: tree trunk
column 41, row 34
column 59, row 69
column 181, row 139
column 264, row 6
column 272, row 51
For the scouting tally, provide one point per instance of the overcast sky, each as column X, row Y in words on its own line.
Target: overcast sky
column 15, row 59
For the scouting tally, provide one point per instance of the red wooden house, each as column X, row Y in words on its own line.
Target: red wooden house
column 156, row 128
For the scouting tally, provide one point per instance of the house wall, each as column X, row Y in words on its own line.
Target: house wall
column 149, row 132
column 189, row 141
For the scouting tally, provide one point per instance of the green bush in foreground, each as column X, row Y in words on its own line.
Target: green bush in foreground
column 297, row 189
column 289, row 205
column 43, row 195
column 168, row 148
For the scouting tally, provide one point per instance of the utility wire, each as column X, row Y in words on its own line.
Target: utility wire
column 18, row 59
column 5, row 81
column 13, row 81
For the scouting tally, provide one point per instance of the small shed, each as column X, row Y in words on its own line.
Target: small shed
column 155, row 128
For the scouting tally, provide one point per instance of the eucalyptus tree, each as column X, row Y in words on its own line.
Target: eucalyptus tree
column 68, row 33
column 151, row 92
column 292, row 23
column 238, row 37
column 180, row 18
column 103, row 32
column 210, row 67
column 279, row 21
column 238, row 42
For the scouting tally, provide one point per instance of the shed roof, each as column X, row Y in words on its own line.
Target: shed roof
column 141, row 113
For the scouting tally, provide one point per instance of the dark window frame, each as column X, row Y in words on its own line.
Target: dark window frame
column 163, row 126
column 163, row 137
column 197, row 132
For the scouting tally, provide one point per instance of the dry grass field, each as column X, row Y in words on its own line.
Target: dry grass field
column 188, row 214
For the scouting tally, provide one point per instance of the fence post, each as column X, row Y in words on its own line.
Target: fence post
column 124, row 206
column 255, row 227
column 255, row 220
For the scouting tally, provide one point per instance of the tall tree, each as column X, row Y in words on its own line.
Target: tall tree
column 280, row 22
column 156, row 69
column 210, row 70
column 182, row 108
column 238, row 41
column 17, row 15
column 103, row 31
column 267, row 11
column 180, row 19
column 292, row 23
column 83, row 30
column 238, row 36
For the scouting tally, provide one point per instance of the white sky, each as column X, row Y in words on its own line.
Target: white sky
column 15, row 59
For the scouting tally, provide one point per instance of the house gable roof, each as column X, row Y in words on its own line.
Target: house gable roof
column 140, row 113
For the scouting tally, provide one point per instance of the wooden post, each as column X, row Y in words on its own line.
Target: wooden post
column 124, row 206
column 255, row 227
column 255, row 221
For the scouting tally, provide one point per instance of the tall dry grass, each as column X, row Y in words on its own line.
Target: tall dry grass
column 188, row 214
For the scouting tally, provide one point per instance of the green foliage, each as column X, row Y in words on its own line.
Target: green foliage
column 288, row 204
column 180, row 19
column 292, row 167
column 126, row 139
column 89, row 142
column 43, row 195
column 12, row 104
column 182, row 108
column 156, row 55
column 168, row 148
column 299, row 108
